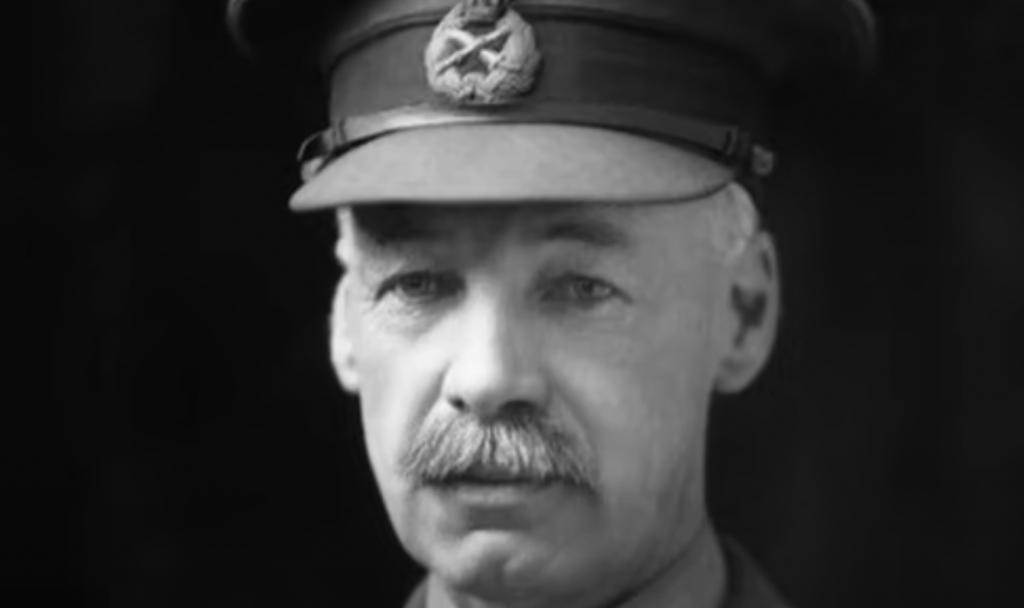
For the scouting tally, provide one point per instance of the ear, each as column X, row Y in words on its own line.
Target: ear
column 752, row 315
column 342, row 353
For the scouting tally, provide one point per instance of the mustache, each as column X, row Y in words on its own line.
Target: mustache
column 528, row 447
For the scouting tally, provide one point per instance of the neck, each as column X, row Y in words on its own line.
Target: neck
column 695, row 578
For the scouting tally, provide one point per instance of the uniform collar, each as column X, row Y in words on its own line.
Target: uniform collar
column 747, row 585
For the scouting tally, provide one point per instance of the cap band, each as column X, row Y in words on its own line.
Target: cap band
column 727, row 145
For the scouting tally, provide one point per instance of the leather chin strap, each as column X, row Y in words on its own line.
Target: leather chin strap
column 725, row 144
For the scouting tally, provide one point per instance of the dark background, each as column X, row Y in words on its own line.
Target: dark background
column 175, row 436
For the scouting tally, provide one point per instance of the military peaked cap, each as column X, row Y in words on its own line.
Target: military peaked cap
column 583, row 100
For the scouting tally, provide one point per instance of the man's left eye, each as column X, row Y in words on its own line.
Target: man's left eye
column 582, row 290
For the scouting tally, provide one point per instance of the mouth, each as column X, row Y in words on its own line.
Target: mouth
column 494, row 493
column 483, row 476
column 483, row 493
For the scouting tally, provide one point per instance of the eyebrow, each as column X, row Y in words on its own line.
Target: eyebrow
column 589, row 231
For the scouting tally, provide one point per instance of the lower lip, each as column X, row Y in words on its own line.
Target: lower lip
column 495, row 495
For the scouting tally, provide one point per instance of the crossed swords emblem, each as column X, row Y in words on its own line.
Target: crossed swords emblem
column 479, row 68
column 473, row 46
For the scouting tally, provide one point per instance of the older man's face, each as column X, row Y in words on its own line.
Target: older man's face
column 534, row 384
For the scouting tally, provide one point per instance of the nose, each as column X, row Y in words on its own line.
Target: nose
column 495, row 365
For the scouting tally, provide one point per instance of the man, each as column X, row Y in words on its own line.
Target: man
column 552, row 262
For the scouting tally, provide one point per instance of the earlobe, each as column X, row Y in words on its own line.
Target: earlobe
column 342, row 353
column 752, row 316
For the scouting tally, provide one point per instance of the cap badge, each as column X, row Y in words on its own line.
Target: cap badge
column 482, row 53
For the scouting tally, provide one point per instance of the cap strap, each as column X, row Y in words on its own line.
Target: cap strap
column 728, row 145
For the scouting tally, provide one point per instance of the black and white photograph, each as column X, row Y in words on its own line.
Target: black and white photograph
column 514, row 304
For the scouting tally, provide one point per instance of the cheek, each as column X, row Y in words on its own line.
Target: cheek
column 643, row 402
column 381, row 386
column 398, row 382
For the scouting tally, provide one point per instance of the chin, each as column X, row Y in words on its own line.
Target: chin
column 505, row 567
column 519, row 550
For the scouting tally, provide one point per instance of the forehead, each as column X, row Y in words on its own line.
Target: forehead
column 608, row 226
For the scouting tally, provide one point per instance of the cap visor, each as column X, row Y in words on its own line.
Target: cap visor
column 495, row 163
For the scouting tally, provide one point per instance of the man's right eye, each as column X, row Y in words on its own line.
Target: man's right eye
column 420, row 287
